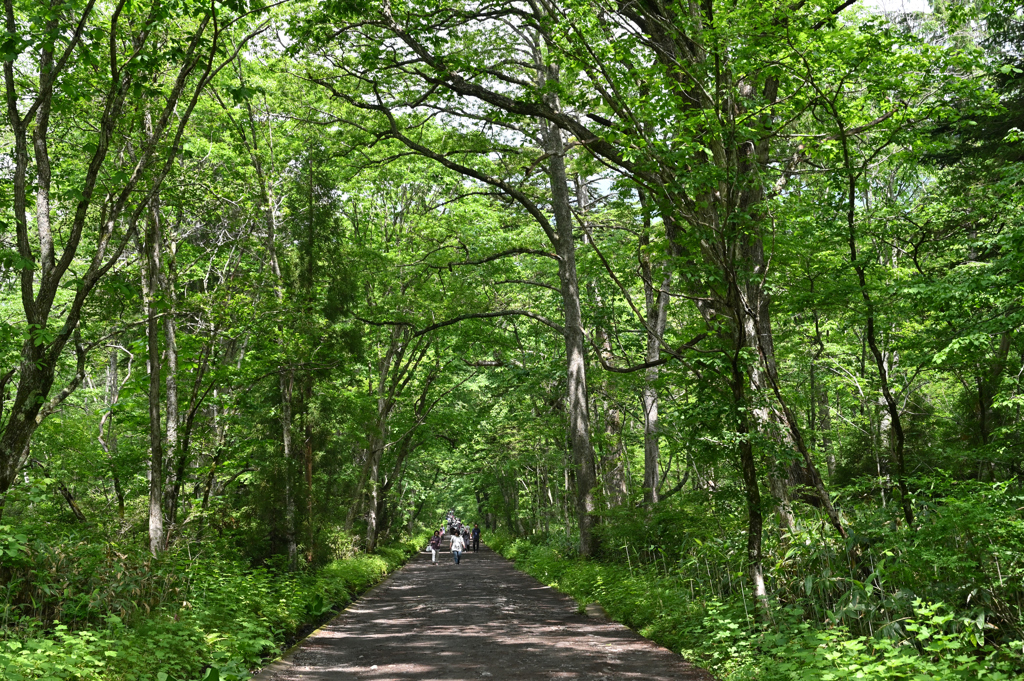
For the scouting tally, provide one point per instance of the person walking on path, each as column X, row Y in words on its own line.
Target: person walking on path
column 465, row 537
column 457, row 546
column 435, row 546
column 476, row 537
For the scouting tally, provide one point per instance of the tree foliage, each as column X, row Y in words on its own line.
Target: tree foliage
column 714, row 303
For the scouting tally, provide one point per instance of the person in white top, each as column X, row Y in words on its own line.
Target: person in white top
column 457, row 546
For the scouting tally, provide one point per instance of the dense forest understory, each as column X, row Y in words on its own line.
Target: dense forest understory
column 706, row 311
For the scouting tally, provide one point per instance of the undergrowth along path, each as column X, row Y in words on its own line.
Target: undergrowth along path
column 482, row 619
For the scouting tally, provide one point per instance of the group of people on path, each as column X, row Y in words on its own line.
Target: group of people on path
column 461, row 536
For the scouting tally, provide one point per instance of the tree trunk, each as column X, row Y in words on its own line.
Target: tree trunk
column 575, row 344
column 418, row 508
column 872, row 340
column 154, row 252
column 108, row 442
column 287, row 381
column 657, row 319
column 507, row 506
column 755, row 519
column 72, row 504
column 373, row 491
column 187, row 426
column 172, row 413
column 614, row 464
column 480, row 497
column 613, row 459
column 779, row 488
column 389, row 370
column 652, row 448
column 356, row 507
column 176, row 454
column 156, row 458
column 309, row 476
column 988, row 386
column 220, row 435
column 825, row 418
column 757, row 301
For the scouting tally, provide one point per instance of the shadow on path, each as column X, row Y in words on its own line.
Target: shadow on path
column 482, row 619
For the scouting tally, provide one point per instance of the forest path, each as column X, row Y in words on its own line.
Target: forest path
column 482, row 619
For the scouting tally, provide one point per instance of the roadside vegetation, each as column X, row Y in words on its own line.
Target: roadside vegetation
column 81, row 605
column 929, row 604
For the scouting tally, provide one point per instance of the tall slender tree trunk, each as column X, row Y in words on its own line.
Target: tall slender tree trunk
column 357, row 495
column 108, row 439
column 616, row 490
column 613, row 458
column 753, row 308
column 825, row 418
column 870, row 335
column 657, row 317
column 309, row 475
column 186, row 431
column 172, row 411
column 748, row 465
column 987, row 381
column 652, row 447
column 479, row 507
column 373, row 488
column 389, row 365
column 177, row 457
column 612, row 462
column 220, row 435
column 778, row 485
column 575, row 342
column 656, row 304
column 154, row 248
column 286, row 376
column 287, row 383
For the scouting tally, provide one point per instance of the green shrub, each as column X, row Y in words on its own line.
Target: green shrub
column 225, row 620
column 932, row 650
column 729, row 638
column 62, row 655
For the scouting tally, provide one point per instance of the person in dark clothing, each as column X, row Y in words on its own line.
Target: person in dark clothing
column 465, row 536
column 435, row 547
column 476, row 537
